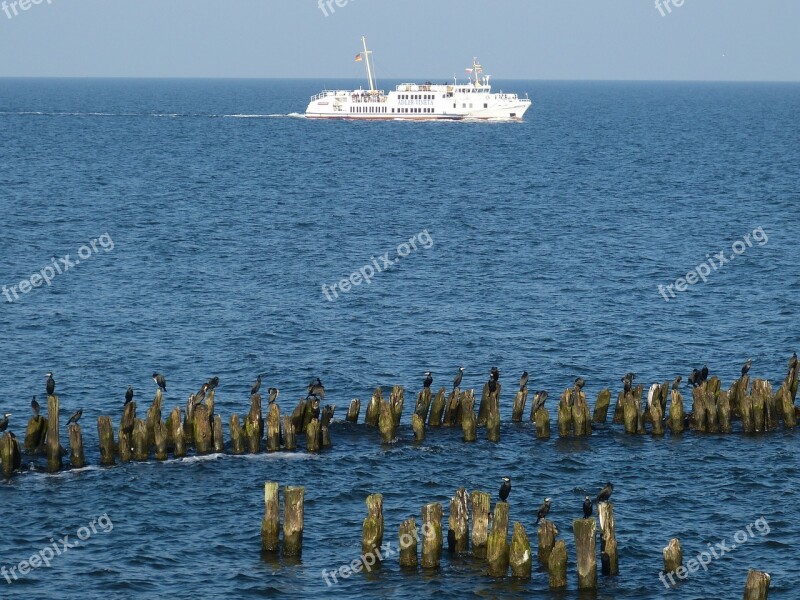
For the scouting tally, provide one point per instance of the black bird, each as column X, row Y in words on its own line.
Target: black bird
column 704, row 374
column 630, row 377
column 51, row 384
column 273, row 394
column 75, row 417
column 494, row 373
column 213, row 383
column 492, row 385
column 587, row 507
column 793, row 361
column 523, row 381
column 201, row 395
column 316, row 389
column 579, row 383
column 694, row 378
column 746, row 367
column 35, row 407
column 544, row 509
column 256, row 386
column 539, row 398
column 315, row 409
column 605, row 493
column 426, row 383
column 129, row 395
column 457, row 380
column 4, row 422
column 505, row 489
column 160, row 381
column 677, row 383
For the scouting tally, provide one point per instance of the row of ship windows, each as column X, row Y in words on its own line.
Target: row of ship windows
column 382, row 109
column 417, row 96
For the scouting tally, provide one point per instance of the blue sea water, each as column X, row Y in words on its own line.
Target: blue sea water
column 228, row 211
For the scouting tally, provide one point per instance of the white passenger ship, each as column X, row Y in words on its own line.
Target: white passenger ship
column 417, row 102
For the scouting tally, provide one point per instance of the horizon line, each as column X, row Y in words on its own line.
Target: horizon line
column 407, row 80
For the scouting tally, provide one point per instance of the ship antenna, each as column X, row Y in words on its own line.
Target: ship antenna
column 369, row 67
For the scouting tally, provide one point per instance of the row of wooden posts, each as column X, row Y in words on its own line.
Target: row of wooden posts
column 488, row 543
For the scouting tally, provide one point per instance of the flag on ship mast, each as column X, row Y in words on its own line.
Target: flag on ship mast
column 359, row 58
column 469, row 71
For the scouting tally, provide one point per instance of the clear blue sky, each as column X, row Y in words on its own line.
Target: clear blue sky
column 525, row 39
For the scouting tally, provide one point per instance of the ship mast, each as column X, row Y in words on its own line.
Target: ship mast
column 369, row 67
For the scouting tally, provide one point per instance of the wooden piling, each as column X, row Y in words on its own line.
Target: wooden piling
column 547, row 540
column 676, row 412
column 724, row 413
column 601, row 406
column 153, row 416
column 518, row 410
column 408, row 538
column 128, row 418
column 396, row 401
column 458, row 522
column 270, row 524
column 124, row 446
column 289, row 436
column 418, row 426
column 35, row 433
column 237, row 435
column 423, row 404
column 203, row 436
column 619, row 410
column 452, row 411
column 437, row 409
column 608, row 536
column 469, row 426
column 254, row 425
column 564, row 415
column 176, row 434
column 310, row 412
column 581, row 418
column 481, row 503
column 372, row 530
column 327, row 415
column 160, row 440
column 386, row 423
column 557, row 566
column 293, row 520
column 757, row 585
column 313, row 436
column 219, row 440
column 519, row 555
column 273, row 428
column 542, row 424
column 105, row 435
column 352, row 412
column 483, row 407
column 325, row 436
column 784, row 401
column 10, row 454
column 673, row 556
column 188, row 421
column 431, row 535
column 493, row 419
column 141, row 449
column 657, row 415
column 374, row 408
column 53, row 438
column 299, row 415
column 586, row 552
column 497, row 548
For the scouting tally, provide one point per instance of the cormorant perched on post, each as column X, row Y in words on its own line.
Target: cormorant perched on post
column 256, row 386
column 793, row 361
column 544, row 509
column 75, row 417
column 694, row 378
column 539, row 398
column 213, row 383
column 457, row 380
column 627, row 382
column 201, row 395
column 630, row 377
column 4, row 422
column 605, row 493
column 35, row 407
column 523, row 381
column 677, row 383
column 51, row 384
column 160, row 381
column 587, row 507
column 128, row 396
column 704, row 374
column 426, row 383
column 494, row 373
column 316, row 389
column 492, row 383
column 746, row 367
column 505, row 489
column 579, row 383
column 273, row 394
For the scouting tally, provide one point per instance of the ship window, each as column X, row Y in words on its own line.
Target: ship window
column 485, row 105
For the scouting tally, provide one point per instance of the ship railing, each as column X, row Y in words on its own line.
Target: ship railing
column 328, row 93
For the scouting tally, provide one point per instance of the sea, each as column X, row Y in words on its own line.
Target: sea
column 201, row 228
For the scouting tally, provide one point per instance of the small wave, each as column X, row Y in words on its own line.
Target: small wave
column 194, row 459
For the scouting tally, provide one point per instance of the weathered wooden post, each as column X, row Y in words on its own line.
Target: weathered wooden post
column 160, row 440
column 437, row 409
column 327, row 415
column 386, row 423
column 673, row 556
column 254, row 425
column 542, row 419
column 710, row 395
column 141, row 449
column 10, row 454
column 757, row 585
column 153, row 416
column 219, row 440
column 601, row 406
column 699, row 409
column 418, row 426
column 458, row 522
column 293, row 520
column 785, row 404
column 128, row 418
column 469, row 426
column 586, row 552
column 53, row 441
column 481, row 502
column 273, row 428
column 237, row 435
column 408, row 539
column 325, row 436
column 289, row 436
column 619, row 410
column 423, row 404
column 497, row 548
column 188, row 421
column 518, row 410
column 676, row 412
column 631, row 410
column 175, row 433
column 483, row 407
column 203, row 436
column 608, row 535
column 105, row 435
column 352, row 412
column 493, row 418
column 557, row 566
column 35, row 433
column 270, row 525
column 547, row 540
column 396, row 401
column 313, row 436
column 565, row 415
column 724, row 413
column 519, row 555
column 581, row 419
column 657, row 417
column 372, row 530
column 431, row 535
column 299, row 415
column 374, row 408
column 124, row 446
column 452, row 411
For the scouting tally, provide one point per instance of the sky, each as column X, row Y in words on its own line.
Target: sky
column 751, row 40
